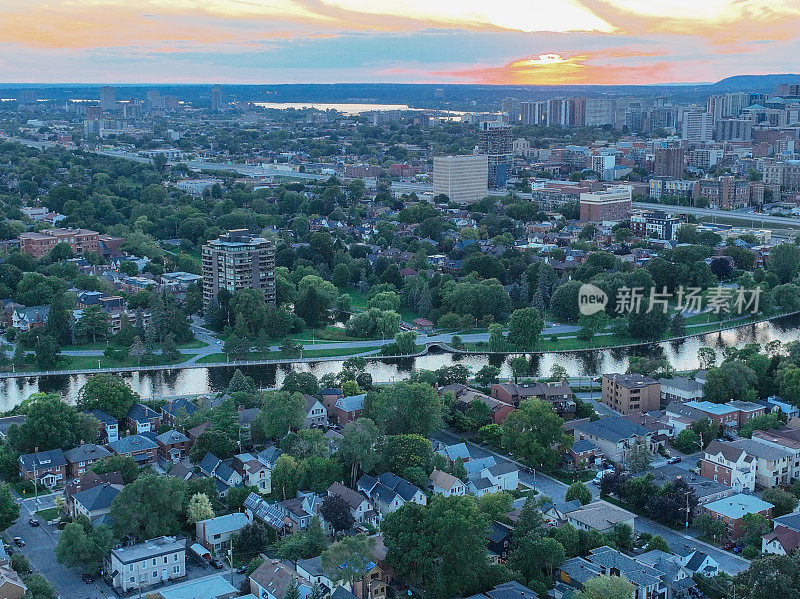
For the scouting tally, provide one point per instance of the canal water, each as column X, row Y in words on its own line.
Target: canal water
column 184, row 381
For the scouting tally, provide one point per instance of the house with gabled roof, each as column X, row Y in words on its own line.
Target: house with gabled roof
column 80, row 459
column 173, row 445
column 95, row 502
column 142, row 449
column 443, row 483
column 360, row 506
column 315, row 413
column 348, row 409
column 48, row 468
column 221, row 471
column 142, row 419
column 389, row 492
column 109, row 426
column 174, row 407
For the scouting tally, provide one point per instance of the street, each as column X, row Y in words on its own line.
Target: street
column 556, row 490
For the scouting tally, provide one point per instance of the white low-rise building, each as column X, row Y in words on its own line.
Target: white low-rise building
column 143, row 565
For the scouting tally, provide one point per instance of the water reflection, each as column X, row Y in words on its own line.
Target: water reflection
column 681, row 354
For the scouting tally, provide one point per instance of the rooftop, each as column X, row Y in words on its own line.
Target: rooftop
column 736, row 506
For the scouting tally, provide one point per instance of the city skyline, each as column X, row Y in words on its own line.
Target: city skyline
column 607, row 42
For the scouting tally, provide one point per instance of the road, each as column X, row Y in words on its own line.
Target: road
column 745, row 217
column 555, row 489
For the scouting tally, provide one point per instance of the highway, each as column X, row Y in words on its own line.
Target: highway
column 746, row 217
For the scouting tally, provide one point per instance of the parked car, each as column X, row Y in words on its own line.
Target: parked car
column 674, row 460
column 241, row 569
column 87, row 578
column 18, row 541
column 216, row 563
column 33, row 522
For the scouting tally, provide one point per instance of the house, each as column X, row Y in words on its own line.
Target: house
column 389, row 492
column 221, row 471
column 254, row 473
column 300, row 510
column 194, row 432
column 109, row 426
column 172, row 445
column 89, row 481
column 600, row 516
column 316, row 414
column 47, row 468
column 143, row 565
column 466, row 395
column 33, row 317
column 207, row 587
column 732, row 509
column 311, row 571
column 348, row 409
column 142, row 449
column 773, row 404
column 141, row 419
column 559, row 395
column 728, row 464
column 774, row 465
column 555, row 513
column 723, row 414
column 786, row 438
column 11, row 585
column 446, row 484
column 245, row 417
column 79, row 459
column 270, row 580
column 613, row 436
column 214, row 533
column 7, row 421
column 627, row 393
column 95, row 502
column 583, row 454
column 747, row 410
column 507, row 590
column 360, row 507
column 171, row 410
column 329, row 398
column 457, row 451
column 706, row 489
column 699, row 562
column 784, row 537
column 680, row 389
column 499, row 540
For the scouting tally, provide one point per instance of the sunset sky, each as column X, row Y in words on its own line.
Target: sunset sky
column 409, row 41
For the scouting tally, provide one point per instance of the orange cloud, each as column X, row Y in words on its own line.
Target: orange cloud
column 556, row 69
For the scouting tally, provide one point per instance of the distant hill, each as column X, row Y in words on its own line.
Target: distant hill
column 756, row 83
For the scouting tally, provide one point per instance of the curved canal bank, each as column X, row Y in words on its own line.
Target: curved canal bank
column 207, row 378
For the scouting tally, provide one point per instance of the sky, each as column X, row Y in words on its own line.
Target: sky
column 396, row 41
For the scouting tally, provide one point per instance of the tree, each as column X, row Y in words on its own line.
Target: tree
column 149, row 507
column 784, row 261
column 658, row 543
column 580, row 492
column 762, row 422
column 607, row 587
column 408, row 451
column 405, row 408
column 784, row 502
column 125, row 465
column 84, row 548
column 674, row 504
column 300, row 382
column 48, row 352
column 639, row 459
column 211, row 441
column 358, row 447
column 687, row 441
column 93, row 324
column 711, row 527
column 768, row 577
column 496, row 505
column 439, row 547
column 304, row 544
column 39, row 588
column 9, row 509
column 519, row 366
column 487, row 375
column 292, row 590
column 199, row 508
column 108, row 393
column 253, row 539
column 241, row 382
column 280, row 412
column 569, row 538
column 707, row 357
column 51, row 423
column 731, row 380
column 285, row 477
column 621, row 536
column 336, row 512
column 534, row 555
column 564, row 302
column 497, row 341
column 347, row 559
column 525, row 328
column 754, row 527
column 531, row 432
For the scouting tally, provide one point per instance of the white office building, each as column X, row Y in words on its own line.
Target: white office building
column 463, row 179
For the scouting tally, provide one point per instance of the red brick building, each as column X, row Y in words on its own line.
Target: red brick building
column 38, row 244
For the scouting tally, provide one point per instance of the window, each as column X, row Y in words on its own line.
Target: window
column 166, row 559
column 130, row 568
column 154, row 561
column 155, row 574
column 176, row 569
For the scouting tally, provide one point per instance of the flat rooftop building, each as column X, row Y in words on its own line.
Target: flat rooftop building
column 238, row 260
column 463, row 179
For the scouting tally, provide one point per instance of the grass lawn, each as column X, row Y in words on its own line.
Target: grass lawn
column 573, row 477
column 101, row 345
column 333, row 352
column 49, row 514
column 80, row 362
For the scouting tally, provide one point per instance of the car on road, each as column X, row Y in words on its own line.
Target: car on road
column 674, row 460
column 216, row 563
column 18, row 541
column 87, row 578
column 241, row 569
column 33, row 522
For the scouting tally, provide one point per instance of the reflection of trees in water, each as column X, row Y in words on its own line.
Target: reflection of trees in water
column 497, row 360
column 402, row 364
column 677, row 344
column 654, row 351
column 47, row 384
column 589, row 361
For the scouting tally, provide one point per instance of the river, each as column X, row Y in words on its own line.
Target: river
column 189, row 381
